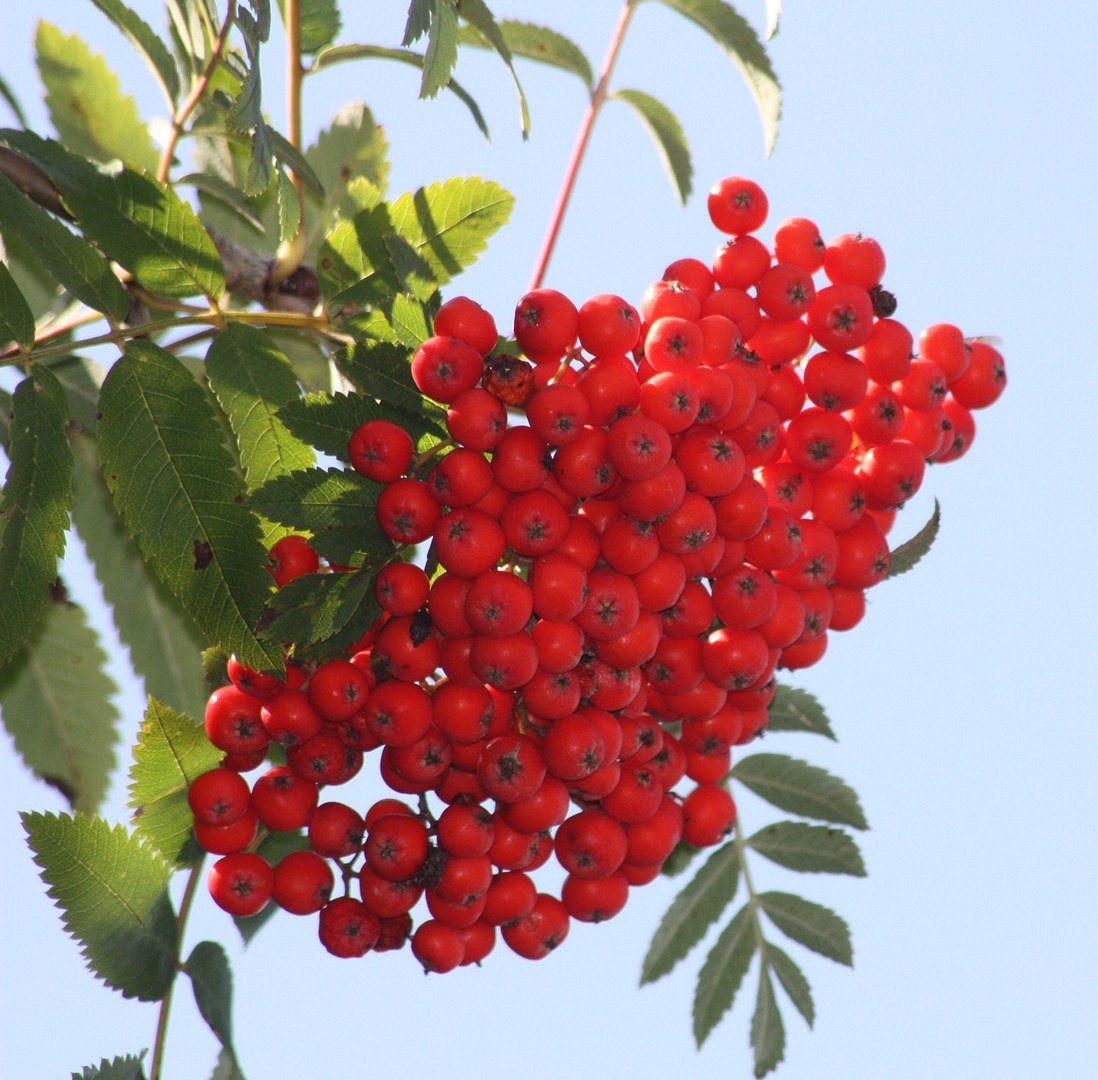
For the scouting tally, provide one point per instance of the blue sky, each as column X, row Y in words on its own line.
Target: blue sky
column 958, row 135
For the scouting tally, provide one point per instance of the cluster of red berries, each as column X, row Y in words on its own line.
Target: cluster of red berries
column 699, row 491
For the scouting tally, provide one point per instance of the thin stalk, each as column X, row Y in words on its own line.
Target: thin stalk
column 166, row 1001
column 598, row 99
column 198, row 91
column 290, row 253
column 752, row 896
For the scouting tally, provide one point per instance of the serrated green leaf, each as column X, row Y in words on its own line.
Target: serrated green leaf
column 355, row 264
column 291, row 156
column 767, row 1029
column 175, row 486
column 320, row 23
column 81, row 378
column 449, row 222
column 8, row 95
column 163, row 640
column 910, row 552
column 670, row 139
column 57, row 704
column 145, row 40
column 533, row 42
column 224, row 192
column 383, row 370
column 692, row 912
column 806, row 790
column 798, row 710
column 722, row 973
column 245, row 114
column 42, row 291
column 419, row 20
column 113, row 894
column 411, row 320
column 67, row 257
column 679, row 859
column 253, row 380
column 34, row 513
column 335, row 54
column 337, row 506
column 352, row 149
column 171, row 751
column 793, row 981
column 215, row 666
column 477, row 14
column 119, row 1068
column 812, row 925
column 16, row 320
column 440, row 57
column 89, row 111
column 773, row 16
column 327, row 421
column 315, row 607
column 809, row 848
column 212, row 981
column 274, row 847
column 735, row 35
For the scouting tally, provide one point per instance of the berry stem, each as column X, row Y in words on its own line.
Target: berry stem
column 752, row 896
column 598, row 98
column 166, row 1002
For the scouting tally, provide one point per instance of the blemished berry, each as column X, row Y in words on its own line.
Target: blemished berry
column 641, row 515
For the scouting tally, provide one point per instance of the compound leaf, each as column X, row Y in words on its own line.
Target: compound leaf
column 478, row 15
column 320, row 23
column 316, row 607
column 440, row 58
column 174, row 483
column 692, row 912
column 670, row 139
column 908, row 553
column 382, row 369
column 807, row 790
column 34, row 513
column 814, row 926
column 722, row 973
column 171, row 751
column 57, row 704
column 112, row 890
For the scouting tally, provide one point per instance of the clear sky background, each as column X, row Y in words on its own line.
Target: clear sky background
column 962, row 136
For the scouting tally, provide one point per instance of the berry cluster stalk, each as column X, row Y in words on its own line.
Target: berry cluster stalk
column 598, row 98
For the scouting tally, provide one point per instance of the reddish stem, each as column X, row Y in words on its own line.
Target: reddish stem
column 598, row 97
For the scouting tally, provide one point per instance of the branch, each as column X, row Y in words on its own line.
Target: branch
column 247, row 272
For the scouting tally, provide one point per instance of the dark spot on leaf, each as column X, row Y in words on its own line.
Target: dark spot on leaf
column 203, row 554
column 63, row 786
column 266, row 617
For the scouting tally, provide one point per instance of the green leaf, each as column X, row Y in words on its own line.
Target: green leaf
column 773, row 15
column 798, row 710
column 816, row 849
column 88, row 109
column 533, row 42
column 66, row 256
column 81, row 377
column 336, row 53
column 290, row 155
column 814, row 926
column 34, row 513
column 153, row 233
column 327, row 421
column 171, row 751
column 119, row 1068
column 245, row 115
column 227, row 1067
column 793, row 981
column 478, row 15
column 419, row 20
column 289, row 208
column 794, row 785
column 174, row 484
column 905, row 556
column 8, row 95
column 315, row 607
column 352, row 148
column 274, row 847
column 335, row 505
column 679, row 859
column 411, row 321
column 225, row 193
column 692, row 912
column 16, row 320
column 441, row 56
column 767, row 1030
column 146, row 42
column 320, row 23
column 449, row 223
column 163, row 640
column 212, row 981
column 670, row 139
column 215, row 664
column 734, row 34
column 253, row 380
column 113, row 893
column 57, row 704
column 722, row 973
column 383, row 370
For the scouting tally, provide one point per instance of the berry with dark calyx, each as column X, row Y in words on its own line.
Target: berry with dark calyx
column 380, row 451
column 241, row 883
column 290, row 558
column 348, row 928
